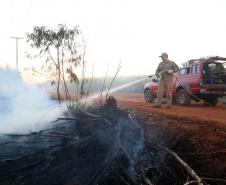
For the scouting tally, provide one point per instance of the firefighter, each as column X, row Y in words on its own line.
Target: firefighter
column 165, row 71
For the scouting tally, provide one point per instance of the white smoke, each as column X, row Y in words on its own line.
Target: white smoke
column 24, row 108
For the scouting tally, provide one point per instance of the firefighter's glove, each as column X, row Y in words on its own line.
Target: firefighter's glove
column 157, row 75
column 170, row 71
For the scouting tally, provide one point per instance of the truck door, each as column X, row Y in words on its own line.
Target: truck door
column 194, row 80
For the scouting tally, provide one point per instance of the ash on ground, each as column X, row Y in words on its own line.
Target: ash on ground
column 101, row 145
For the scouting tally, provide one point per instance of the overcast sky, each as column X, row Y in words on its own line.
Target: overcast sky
column 132, row 31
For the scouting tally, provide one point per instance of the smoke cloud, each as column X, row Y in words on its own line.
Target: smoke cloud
column 24, row 108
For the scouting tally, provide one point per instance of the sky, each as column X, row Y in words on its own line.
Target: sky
column 134, row 32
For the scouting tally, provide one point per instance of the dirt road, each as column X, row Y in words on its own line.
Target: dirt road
column 196, row 112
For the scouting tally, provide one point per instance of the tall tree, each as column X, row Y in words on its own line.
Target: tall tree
column 60, row 49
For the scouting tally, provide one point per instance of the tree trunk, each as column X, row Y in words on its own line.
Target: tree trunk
column 82, row 90
column 66, row 91
column 58, row 80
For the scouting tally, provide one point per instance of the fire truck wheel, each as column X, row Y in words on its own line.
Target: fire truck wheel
column 148, row 96
column 183, row 98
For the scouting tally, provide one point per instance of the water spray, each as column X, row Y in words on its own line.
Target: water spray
column 115, row 89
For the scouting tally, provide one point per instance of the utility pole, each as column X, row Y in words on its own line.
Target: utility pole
column 17, row 61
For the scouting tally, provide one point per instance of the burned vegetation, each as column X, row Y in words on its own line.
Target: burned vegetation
column 88, row 146
column 84, row 147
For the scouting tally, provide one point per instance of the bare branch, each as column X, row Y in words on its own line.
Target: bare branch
column 91, row 81
column 181, row 161
column 112, row 81
column 102, row 90
column 191, row 182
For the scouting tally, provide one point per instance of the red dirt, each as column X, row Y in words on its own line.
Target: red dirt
column 196, row 112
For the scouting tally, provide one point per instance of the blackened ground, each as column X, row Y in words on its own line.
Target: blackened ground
column 106, row 150
column 84, row 151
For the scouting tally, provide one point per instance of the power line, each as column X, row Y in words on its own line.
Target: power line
column 17, row 61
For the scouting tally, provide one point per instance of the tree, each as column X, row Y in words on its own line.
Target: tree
column 60, row 49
